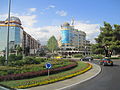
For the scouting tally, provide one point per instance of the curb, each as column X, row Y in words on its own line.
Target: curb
column 57, row 79
column 82, row 80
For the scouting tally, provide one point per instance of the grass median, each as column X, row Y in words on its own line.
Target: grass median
column 26, row 83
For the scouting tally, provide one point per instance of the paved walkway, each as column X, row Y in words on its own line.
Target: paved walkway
column 70, row 82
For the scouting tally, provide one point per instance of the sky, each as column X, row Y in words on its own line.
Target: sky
column 42, row 18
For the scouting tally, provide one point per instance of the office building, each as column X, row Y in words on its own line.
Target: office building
column 17, row 36
column 73, row 41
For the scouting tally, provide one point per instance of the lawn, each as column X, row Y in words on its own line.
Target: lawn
column 29, row 82
column 7, row 70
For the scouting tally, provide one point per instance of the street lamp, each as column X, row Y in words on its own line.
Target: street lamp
column 8, row 25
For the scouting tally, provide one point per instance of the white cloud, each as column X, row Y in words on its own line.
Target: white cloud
column 39, row 33
column 61, row 13
column 41, row 12
column 3, row 16
column 91, row 30
column 44, row 33
column 28, row 20
column 32, row 9
column 50, row 6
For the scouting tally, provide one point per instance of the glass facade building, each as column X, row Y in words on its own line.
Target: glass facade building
column 17, row 36
column 73, row 40
column 71, row 37
column 65, row 36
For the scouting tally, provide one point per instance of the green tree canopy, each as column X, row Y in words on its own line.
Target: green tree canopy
column 52, row 44
column 109, row 36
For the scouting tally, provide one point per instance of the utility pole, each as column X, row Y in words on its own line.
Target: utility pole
column 8, row 25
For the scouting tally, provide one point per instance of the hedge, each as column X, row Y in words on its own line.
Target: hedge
column 33, row 83
column 78, row 55
column 38, row 73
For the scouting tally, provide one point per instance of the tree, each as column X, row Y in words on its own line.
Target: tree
column 52, row 44
column 19, row 49
column 97, row 49
column 108, row 39
column 41, row 51
column 27, row 51
column 2, row 60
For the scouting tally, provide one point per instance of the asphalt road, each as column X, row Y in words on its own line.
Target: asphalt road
column 108, row 79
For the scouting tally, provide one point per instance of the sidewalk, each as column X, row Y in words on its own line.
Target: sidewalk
column 70, row 82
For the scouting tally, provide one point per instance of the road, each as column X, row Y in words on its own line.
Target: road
column 108, row 79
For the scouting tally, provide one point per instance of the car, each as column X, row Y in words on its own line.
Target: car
column 87, row 59
column 106, row 61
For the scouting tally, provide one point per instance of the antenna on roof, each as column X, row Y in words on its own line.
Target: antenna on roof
column 61, row 26
column 72, row 22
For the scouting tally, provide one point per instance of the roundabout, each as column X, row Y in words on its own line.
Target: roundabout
column 53, row 78
column 71, row 81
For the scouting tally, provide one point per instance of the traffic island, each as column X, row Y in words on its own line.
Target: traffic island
column 71, row 82
column 43, row 80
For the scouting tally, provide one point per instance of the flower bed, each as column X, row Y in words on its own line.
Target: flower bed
column 32, row 83
column 8, row 70
column 38, row 73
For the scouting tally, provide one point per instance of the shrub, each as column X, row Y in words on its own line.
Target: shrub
column 19, row 63
column 40, row 60
column 20, row 66
column 32, row 60
column 38, row 73
column 12, row 57
column 115, row 58
column 19, row 57
column 78, row 56
column 97, row 56
column 2, row 60
column 29, row 60
column 3, row 73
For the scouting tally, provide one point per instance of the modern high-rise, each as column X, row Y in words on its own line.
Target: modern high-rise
column 17, row 36
column 73, row 41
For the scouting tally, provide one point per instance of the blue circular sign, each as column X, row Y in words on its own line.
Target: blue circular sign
column 48, row 65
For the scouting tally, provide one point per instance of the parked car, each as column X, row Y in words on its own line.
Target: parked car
column 87, row 59
column 106, row 61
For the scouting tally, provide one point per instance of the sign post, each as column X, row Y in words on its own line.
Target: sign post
column 48, row 66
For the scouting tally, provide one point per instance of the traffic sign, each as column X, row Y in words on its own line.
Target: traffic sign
column 48, row 65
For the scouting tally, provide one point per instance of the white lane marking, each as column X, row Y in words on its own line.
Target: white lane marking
column 81, row 81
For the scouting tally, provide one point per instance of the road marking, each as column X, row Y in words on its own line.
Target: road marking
column 82, row 80
column 3, row 88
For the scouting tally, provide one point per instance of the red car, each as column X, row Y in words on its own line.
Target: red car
column 106, row 61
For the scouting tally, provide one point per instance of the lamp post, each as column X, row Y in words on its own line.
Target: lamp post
column 8, row 25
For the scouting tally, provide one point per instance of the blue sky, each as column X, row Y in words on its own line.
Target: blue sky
column 41, row 16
